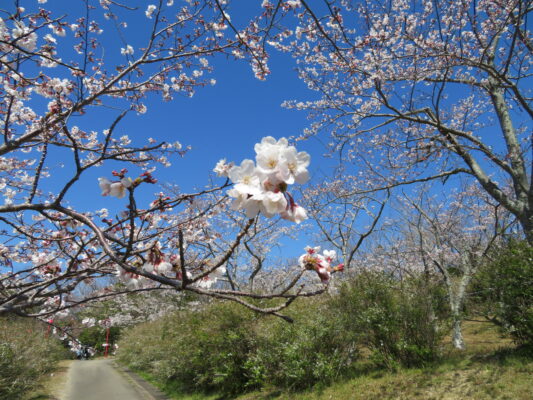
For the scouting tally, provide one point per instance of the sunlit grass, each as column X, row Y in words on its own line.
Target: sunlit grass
column 491, row 368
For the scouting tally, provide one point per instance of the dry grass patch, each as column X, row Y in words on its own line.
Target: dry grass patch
column 482, row 337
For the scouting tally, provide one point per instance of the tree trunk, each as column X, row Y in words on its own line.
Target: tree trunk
column 457, row 334
column 457, row 299
column 527, row 226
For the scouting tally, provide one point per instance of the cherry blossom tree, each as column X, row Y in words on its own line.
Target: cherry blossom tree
column 453, row 234
column 440, row 235
column 257, row 265
column 59, row 71
column 417, row 90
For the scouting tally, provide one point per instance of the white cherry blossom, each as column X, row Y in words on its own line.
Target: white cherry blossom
column 274, row 202
column 222, row 168
column 245, row 177
column 330, row 255
column 117, row 189
column 128, row 50
column 295, row 214
column 150, row 10
column 263, row 188
column 294, row 166
column 312, row 260
column 164, row 268
column 105, row 186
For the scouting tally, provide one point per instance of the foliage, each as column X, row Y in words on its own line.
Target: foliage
column 400, row 321
column 26, row 354
column 490, row 368
column 506, row 285
column 485, row 376
column 95, row 337
column 315, row 350
column 195, row 350
column 229, row 349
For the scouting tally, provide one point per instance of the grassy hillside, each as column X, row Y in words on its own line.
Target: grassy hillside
column 377, row 338
column 491, row 368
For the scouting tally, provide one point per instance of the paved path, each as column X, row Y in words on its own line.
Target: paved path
column 98, row 380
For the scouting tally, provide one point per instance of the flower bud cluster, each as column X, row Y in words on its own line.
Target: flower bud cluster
column 118, row 188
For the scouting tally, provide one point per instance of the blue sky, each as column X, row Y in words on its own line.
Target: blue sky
column 226, row 120
column 220, row 121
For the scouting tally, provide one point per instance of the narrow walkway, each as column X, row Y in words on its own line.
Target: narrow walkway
column 98, row 380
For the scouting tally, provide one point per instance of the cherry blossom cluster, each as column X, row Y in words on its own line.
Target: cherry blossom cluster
column 262, row 187
column 312, row 260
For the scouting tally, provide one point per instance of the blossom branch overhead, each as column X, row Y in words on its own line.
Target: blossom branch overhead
column 59, row 69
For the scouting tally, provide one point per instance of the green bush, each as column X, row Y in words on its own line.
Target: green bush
column 26, row 354
column 202, row 350
column 399, row 321
column 229, row 349
column 506, row 285
column 314, row 350
column 95, row 337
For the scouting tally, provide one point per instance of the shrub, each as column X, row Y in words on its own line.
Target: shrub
column 203, row 350
column 229, row 349
column 26, row 354
column 507, row 288
column 399, row 321
column 95, row 337
column 314, row 350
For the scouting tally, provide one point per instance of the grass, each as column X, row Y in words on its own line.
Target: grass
column 491, row 368
column 174, row 392
column 510, row 379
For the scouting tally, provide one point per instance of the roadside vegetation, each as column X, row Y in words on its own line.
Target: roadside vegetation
column 27, row 353
column 377, row 336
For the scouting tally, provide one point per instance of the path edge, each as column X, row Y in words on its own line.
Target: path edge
column 148, row 390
